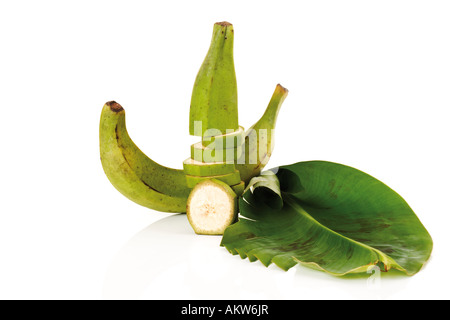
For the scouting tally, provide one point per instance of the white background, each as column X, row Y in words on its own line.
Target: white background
column 368, row 87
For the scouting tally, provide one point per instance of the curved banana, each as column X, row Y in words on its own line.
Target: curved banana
column 259, row 142
column 134, row 174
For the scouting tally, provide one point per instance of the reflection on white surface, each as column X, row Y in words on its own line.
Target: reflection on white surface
column 167, row 260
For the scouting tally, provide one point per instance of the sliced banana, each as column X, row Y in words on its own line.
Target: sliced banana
column 225, row 141
column 239, row 188
column 202, row 169
column 229, row 178
column 211, row 207
column 201, row 153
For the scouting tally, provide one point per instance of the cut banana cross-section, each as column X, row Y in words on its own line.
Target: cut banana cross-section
column 211, row 207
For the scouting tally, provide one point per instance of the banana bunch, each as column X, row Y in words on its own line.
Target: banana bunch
column 226, row 152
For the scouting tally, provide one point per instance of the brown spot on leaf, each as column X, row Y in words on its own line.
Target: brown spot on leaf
column 248, row 235
column 332, row 184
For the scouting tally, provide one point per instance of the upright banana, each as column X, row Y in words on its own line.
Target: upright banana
column 259, row 142
column 214, row 96
column 214, row 109
column 134, row 174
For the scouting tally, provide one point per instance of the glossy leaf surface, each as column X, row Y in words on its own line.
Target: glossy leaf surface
column 330, row 217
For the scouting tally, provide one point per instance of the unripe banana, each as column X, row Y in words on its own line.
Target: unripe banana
column 259, row 142
column 134, row 174
column 214, row 96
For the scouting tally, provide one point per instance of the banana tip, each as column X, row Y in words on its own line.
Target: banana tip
column 114, row 106
column 282, row 89
column 224, row 24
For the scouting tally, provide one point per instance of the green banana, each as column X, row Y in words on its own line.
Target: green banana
column 259, row 142
column 132, row 173
column 214, row 96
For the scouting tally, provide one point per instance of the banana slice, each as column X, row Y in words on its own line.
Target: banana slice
column 229, row 178
column 201, row 153
column 239, row 188
column 204, row 169
column 211, row 207
column 225, row 141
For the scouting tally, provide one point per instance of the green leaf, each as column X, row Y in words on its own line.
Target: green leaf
column 330, row 217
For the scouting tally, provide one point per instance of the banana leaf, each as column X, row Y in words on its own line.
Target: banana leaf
column 330, row 217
